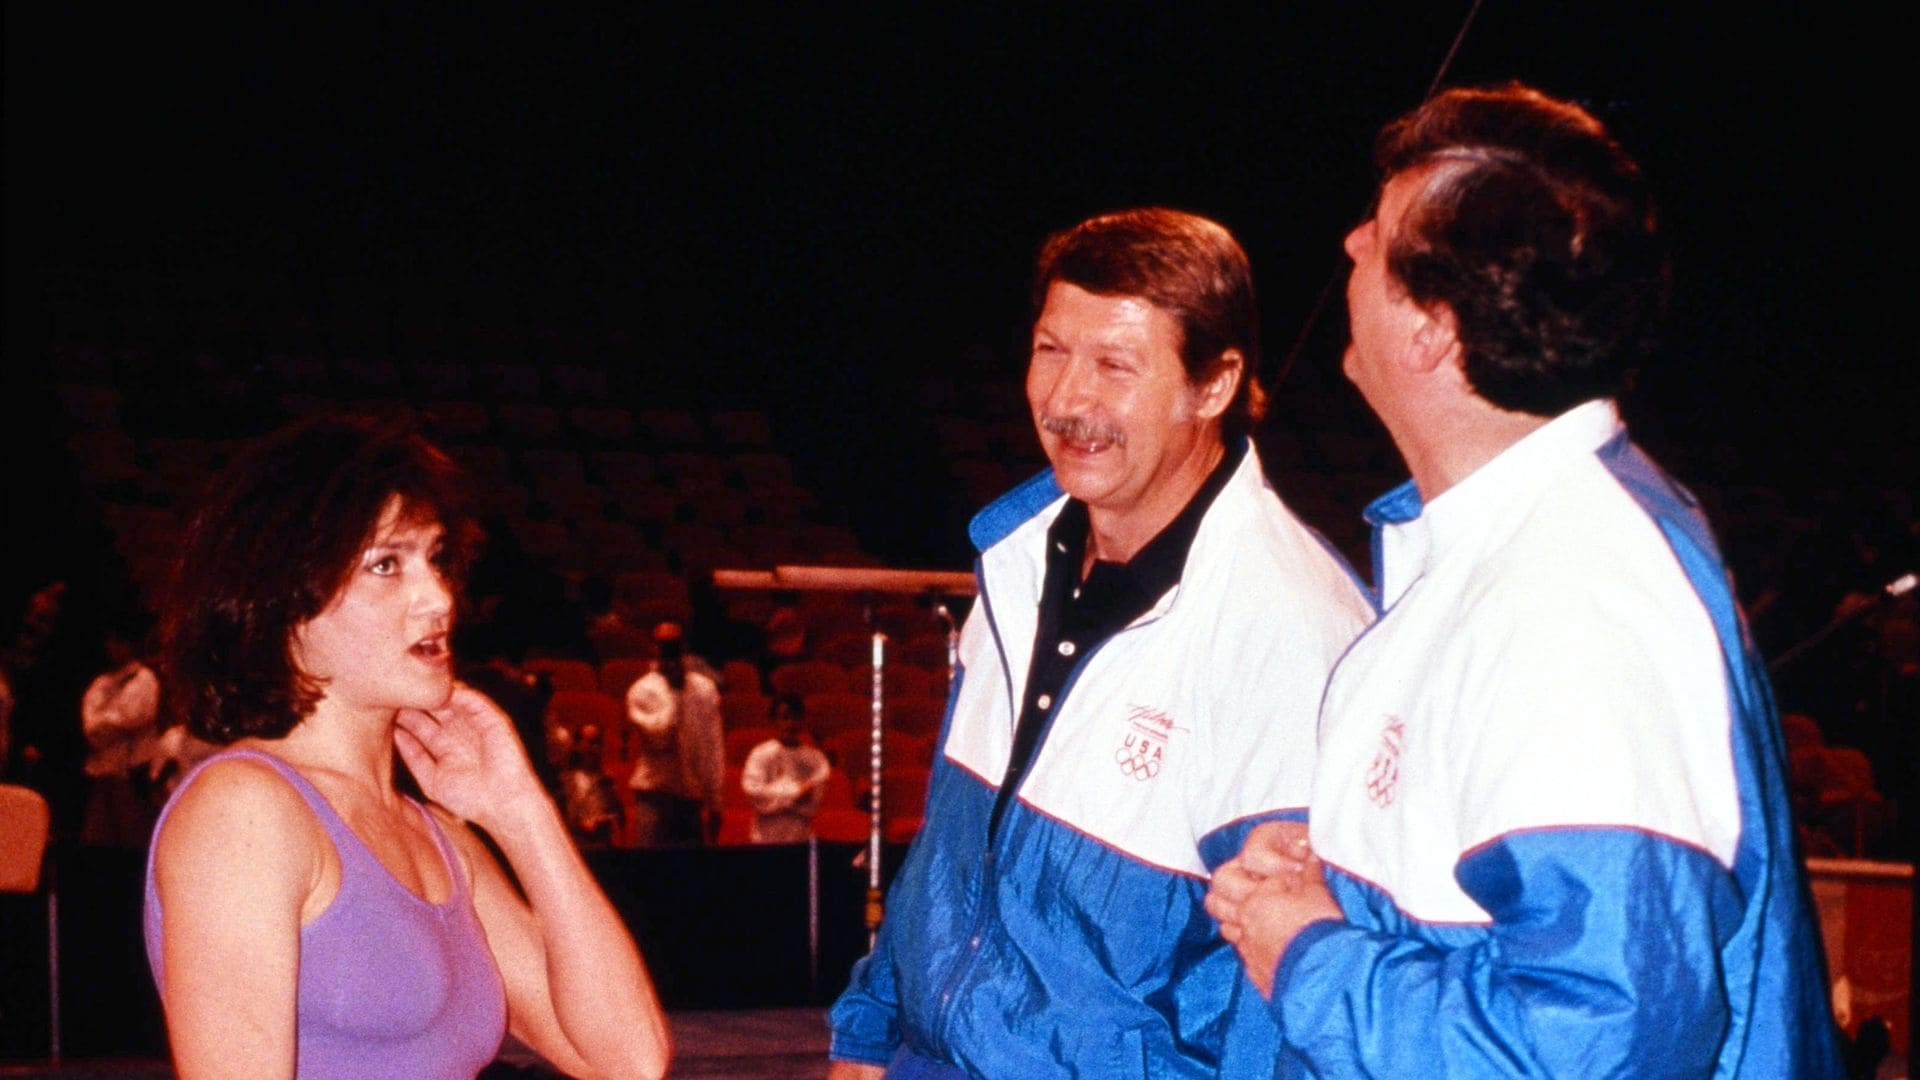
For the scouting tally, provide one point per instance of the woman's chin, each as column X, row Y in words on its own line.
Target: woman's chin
column 432, row 695
column 441, row 696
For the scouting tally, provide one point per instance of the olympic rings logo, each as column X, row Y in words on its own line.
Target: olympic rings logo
column 1138, row 761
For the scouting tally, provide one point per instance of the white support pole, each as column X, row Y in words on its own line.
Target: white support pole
column 813, row 917
column 876, row 799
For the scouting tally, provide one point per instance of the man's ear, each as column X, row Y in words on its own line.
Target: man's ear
column 1436, row 340
column 1215, row 392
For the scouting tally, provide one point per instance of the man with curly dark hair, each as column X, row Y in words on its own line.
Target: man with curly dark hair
column 1550, row 833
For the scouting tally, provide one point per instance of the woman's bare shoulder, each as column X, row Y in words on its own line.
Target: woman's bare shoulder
column 238, row 809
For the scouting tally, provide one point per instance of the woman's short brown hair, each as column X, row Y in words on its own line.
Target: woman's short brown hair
column 283, row 526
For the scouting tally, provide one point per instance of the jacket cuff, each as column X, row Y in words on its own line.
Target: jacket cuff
column 864, row 1053
column 1292, row 958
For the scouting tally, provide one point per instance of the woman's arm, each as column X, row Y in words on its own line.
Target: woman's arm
column 235, row 866
column 577, row 991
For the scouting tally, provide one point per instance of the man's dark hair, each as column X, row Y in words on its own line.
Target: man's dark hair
column 1184, row 263
column 284, row 527
column 1537, row 232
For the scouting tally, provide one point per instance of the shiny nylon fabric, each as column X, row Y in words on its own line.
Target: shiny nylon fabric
column 1066, row 926
column 1774, row 968
column 1612, row 951
column 1601, row 962
column 1078, row 944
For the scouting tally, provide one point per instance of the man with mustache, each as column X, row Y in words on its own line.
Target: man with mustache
column 1138, row 688
column 1550, row 831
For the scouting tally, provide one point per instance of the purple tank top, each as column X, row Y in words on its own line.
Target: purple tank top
column 390, row 985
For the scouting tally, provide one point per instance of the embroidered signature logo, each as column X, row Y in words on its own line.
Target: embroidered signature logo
column 1383, row 776
column 1144, row 747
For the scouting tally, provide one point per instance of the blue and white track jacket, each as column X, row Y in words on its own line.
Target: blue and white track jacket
column 1076, row 944
column 1551, row 795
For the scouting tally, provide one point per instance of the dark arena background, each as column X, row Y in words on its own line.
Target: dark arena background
column 701, row 288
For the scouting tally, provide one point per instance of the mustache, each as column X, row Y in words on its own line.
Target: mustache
column 1083, row 429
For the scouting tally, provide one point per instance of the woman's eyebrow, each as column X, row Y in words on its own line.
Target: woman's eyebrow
column 411, row 540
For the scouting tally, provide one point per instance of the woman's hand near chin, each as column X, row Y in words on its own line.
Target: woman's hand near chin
column 468, row 758
column 577, row 990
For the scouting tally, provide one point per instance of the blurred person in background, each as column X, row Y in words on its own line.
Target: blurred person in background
column 785, row 777
column 119, row 716
column 681, row 760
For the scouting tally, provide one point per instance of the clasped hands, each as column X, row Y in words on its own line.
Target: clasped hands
column 1267, row 894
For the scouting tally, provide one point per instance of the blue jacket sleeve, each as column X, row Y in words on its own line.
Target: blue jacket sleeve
column 1237, row 1027
column 865, row 1020
column 1602, row 959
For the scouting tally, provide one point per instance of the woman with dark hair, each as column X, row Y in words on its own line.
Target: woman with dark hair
column 305, row 918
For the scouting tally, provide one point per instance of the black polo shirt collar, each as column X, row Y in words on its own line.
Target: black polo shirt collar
column 1155, row 568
